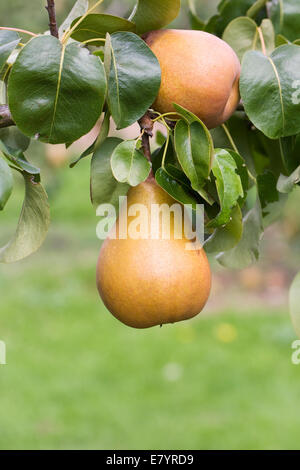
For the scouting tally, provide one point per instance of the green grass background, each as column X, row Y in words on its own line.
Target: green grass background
column 77, row 379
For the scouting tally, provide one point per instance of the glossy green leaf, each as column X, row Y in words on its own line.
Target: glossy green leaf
column 97, row 25
column 280, row 40
column 242, row 34
column 226, row 238
column 105, row 189
column 228, row 10
column 187, row 115
column 154, row 14
column 195, row 21
column 290, row 152
column 158, row 154
column 246, row 252
column 133, row 77
column 286, row 184
column 79, row 9
column 256, row 7
column 8, row 42
column 294, row 296
column 65, row 90
column 194, row 151
column 242, row 136
column 272, row 202
column 17, row 158
column 229, row 186
column 174, row 188
column 285, row 15
column 178, row 175
column 33, row 224
column 6, row 183
column 266, row 184
column 128, row 164
column 270, row 90
column 242, row 171
column 13, row 138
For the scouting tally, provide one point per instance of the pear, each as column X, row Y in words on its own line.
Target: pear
column 152, row 281
column 200, row 72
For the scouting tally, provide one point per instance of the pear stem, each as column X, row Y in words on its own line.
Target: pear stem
column 146, row 125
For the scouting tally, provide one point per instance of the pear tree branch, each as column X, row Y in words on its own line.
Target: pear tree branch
column 6, row 119
column 52, row 18
column 146, row 125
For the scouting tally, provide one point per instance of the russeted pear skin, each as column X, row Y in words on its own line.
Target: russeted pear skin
column 148, row 282
column 200, row 72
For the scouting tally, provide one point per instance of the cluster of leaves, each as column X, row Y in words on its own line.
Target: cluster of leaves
column 241, row 172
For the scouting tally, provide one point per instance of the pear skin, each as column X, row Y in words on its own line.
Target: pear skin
column 200, row 72
column 148, row 282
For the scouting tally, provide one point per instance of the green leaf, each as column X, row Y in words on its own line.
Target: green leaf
column 290, row 152
column 154, row 14
column 79, row 9
column 13, row 138
column 229, row 186
column 97, row 25
column 285, row 15
column 281, row 40
column 8, row 42
column 226, row 238
column 246, row 252
column 286, row 184
column 105, row 189
column 187, row 115
column 175, row 189
column 270, row 90
column 195, row 21
column 194, row 151
column 228, row 10
column 242, row 171
column 33, row 224
column 65, row 90
column 133, row 77
column 294, row 296
column 158, row 154
column 266, row 184
column 128, row 164
column 242, row 34
column 272, row 202
column 17, row 157
column 242, row 135
column 6, row 183
column 256, row 7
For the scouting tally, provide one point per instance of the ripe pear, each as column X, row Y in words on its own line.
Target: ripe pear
column 200, row 72
column 151, row 281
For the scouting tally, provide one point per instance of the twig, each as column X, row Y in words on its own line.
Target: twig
column 146, row 125
column 6, row 119
column 24, row 31
column 52, row 18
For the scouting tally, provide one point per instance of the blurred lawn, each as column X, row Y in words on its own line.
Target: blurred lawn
column 78, row 379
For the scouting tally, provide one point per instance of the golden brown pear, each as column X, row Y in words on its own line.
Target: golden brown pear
column 199, row 72
column 148, row 282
